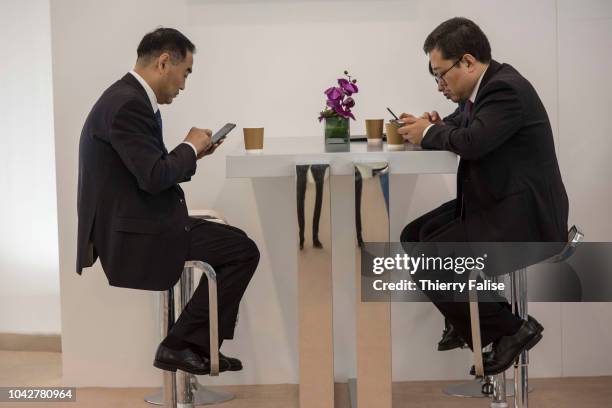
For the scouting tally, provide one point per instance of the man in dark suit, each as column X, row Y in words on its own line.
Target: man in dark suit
column 509, row 186
column 132, row 213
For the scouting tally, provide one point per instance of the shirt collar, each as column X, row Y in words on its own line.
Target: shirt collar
column 148, row 90
column 475, row 91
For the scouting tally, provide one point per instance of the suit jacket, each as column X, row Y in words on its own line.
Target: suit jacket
column 131, row 211
column 509, row 186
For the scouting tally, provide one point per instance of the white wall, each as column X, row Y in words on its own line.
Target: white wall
column 267, row 62
column 29, row 293
column 585, row 61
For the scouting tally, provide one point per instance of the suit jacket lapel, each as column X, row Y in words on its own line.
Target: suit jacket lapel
column 494, row 66
column 132, row 81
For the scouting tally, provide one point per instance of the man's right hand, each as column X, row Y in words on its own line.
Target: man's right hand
column 200, row 138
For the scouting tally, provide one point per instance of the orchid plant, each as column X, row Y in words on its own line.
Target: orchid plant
column 340, row 99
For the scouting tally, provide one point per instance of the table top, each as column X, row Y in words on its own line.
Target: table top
column 280, row 155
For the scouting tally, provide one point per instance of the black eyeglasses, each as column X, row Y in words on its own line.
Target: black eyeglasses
column 440, row 77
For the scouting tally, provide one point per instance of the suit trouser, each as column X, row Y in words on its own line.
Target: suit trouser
column 442, row 225
column 234, row 256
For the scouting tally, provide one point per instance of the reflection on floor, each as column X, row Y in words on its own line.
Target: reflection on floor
column 19, row 368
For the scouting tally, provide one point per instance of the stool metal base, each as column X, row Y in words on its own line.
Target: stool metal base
column 473, row 389
column 201, row 396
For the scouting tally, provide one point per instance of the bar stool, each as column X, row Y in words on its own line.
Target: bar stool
column 182, row 389
column 518, row 282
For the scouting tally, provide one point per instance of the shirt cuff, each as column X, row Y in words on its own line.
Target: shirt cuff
column 425, row 131
column 195, row 151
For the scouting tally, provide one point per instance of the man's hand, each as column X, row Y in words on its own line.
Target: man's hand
column 433, row 117
column 408, row 118
column 200, row 138
column 210, row 150
column 413, row 131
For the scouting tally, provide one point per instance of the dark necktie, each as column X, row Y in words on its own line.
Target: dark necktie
column 468, row 112
column 158, row 119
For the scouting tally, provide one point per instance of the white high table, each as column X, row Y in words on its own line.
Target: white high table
column 281, row 154
column 305, row 159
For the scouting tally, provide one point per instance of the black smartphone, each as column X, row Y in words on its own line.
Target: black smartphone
column 222, row 133
column 397, row 121
column 393, row 114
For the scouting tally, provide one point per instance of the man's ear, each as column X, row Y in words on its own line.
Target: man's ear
column 163, row 62
column 470, row 62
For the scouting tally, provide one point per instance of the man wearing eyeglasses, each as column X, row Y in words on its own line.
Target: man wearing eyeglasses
column 509, row 186
column 454, row 118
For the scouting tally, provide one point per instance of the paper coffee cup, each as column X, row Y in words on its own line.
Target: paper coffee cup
column 395, row 141
column 374, row 131
column 253, row 140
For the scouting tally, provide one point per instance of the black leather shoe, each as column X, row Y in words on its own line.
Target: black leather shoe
column 487, row 355
column 450, row 339
column 225, row 363
column 508, row 348
column 185, row 360
column 535, row 322
column 233, row 363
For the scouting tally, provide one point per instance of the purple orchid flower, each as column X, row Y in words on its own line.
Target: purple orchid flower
column 334, row 103
column 348, row 87
column 339, row 101
column 334, row 93
column 345, row 113
column 349, row 102
column 352, row 88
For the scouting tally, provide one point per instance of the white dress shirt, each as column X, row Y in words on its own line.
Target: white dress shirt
column 472, row 97
column 153, row 100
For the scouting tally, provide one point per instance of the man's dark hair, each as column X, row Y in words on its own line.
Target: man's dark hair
column 163, row 40
column 457, row 37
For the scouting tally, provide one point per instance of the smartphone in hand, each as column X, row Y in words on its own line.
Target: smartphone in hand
column 222, row 133
column 397, row 121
